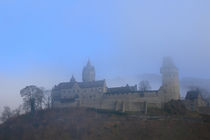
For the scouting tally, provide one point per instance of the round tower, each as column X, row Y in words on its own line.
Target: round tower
column 88, row 74
column 170, row 80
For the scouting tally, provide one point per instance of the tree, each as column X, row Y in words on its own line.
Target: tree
column 47, row 98
column 32, row 98
column 175, row 107
column 18, row 111
column 144, row 85
column 6, row 114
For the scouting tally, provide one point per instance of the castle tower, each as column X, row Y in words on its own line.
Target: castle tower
column 170, row 80
column 73, row 80
column 88, row 74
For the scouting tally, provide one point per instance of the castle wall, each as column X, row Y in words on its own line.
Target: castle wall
column 95, row 96
column 118, row 102
column 130, row 101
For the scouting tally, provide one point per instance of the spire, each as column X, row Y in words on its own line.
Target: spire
column 88, row 74
column 72, row 79
column 88, row 63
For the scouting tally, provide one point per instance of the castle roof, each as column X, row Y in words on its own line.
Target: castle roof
column 93, row 84
column 192, row 95
column 88, row 66
column 73, row 79
column 126, row 89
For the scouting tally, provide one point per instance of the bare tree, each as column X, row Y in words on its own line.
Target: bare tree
column 18, row 111
column 32, row 98
column 144, row 85
column 47, row 97
column 6, row 114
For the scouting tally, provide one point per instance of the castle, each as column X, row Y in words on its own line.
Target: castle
column 95, row 94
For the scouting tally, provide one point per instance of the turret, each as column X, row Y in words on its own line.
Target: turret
column 73, row 80
column 170, row 80
column 88, row 74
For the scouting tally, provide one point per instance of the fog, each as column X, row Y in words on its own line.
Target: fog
column 46, row 42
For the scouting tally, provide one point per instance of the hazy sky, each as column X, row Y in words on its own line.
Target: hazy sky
column 44, row 42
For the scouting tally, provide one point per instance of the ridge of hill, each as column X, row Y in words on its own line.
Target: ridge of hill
column 90, row 124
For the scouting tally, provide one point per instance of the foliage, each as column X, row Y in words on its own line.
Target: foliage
column 175, row 107
column 87, row 124
column 47, row 99
column 18, row 111
column 32, row 98
column 109, row 111
column 6, row 114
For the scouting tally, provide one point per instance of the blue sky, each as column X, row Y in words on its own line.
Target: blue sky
column 44, row 42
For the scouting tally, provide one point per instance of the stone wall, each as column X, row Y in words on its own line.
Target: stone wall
column 118, row 102
column 122, row 98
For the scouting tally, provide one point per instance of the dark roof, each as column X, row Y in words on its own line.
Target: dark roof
column 93, row 84
column 100, row 83
column 192, row 95
column 126, row 89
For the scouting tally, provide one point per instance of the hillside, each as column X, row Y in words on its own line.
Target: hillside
column 88, row 124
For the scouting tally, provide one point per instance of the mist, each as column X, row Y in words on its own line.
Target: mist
column 46, row 42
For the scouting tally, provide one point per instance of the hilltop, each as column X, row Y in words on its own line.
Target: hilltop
column 89, row 124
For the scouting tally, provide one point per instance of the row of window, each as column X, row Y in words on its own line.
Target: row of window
column 85, row 90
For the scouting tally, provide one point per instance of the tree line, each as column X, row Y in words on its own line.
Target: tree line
column 34, row 99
